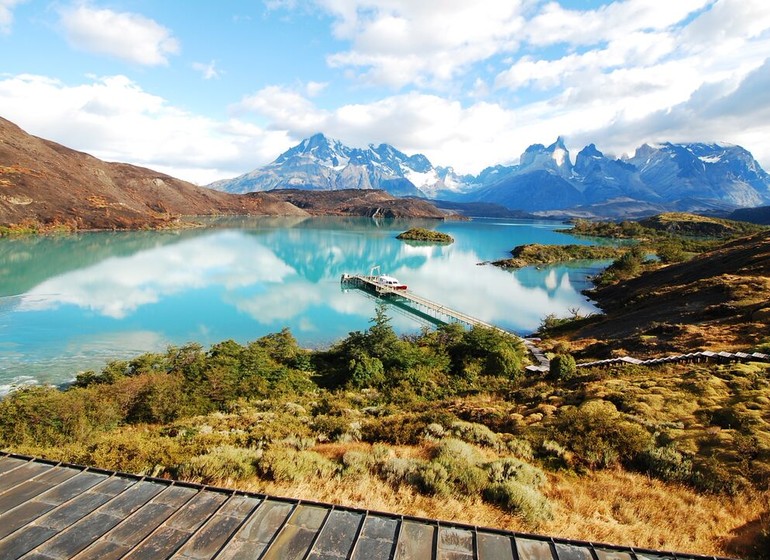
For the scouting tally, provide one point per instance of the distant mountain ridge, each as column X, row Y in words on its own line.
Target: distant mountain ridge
column 321, row 163
column 44, row 185
column 667, row 176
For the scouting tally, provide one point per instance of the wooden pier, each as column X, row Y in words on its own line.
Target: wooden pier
column 441, row 312
column 371, row 284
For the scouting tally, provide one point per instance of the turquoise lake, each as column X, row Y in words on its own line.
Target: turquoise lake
column 69, row 303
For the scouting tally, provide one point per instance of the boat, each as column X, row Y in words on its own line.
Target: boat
column 390, row 282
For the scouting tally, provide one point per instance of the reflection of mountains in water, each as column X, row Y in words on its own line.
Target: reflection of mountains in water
column 573, row 275
column 321, row 253
column 28, row 261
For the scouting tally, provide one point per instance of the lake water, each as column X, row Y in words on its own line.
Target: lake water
column 72, row 302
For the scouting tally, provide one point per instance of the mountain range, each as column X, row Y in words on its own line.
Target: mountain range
column 44, row 185
column 684, row 177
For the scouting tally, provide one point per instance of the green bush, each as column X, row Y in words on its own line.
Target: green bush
column 222, row 463
column 432, row 478
column 599, row 436
column 136, row 452
column 398, row 470
column 562, row 367
column 666, row 463
column 284, row 464
column 472, row 432
column 710, row 475
column 357, row 463
column 520, row 499
column 461, row 462
column 520, row 448
column 512, row 469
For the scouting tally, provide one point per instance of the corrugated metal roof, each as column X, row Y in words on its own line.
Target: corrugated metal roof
column 55, row 510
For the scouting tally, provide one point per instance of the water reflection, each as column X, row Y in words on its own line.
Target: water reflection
column 84, row 299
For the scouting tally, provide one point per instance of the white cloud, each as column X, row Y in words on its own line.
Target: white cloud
column 127, row 36
column 313, row 89
column 555, row 24
column 115, row 119
column 6, row 14
column 208, row 70
column 641, row 71
column 397, row 42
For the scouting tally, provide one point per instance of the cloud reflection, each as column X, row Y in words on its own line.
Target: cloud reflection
column 118, row 286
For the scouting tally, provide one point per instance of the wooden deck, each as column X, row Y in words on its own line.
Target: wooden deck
column 53, row 510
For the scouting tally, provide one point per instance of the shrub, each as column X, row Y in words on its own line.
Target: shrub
column 135, row 452
column 434, row 431
column 666, row 463
column 474, row 433
column 432, row 478
column 599, row 435
column 512, row 469
column 519, row 499
column 555, row 455
column 357, row 463
column 401, row 429
column 284, row 464
column 562, row 367
column 709, row 475
column 461, row 462
column 221, row 464
column 398, row 470
column 520, row 448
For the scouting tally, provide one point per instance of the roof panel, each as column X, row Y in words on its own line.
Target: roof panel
column 66, row 511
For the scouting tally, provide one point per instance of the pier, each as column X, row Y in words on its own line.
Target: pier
column 445, row 314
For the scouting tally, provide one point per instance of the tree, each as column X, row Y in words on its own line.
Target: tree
column 562, row 367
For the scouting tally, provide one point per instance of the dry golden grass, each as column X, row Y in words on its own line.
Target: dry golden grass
column 614, row 507
column 629, row 508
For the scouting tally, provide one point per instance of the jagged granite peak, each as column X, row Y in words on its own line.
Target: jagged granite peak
column 715, row 172
column 687, row 177
column 323, row 163
column 555, row 158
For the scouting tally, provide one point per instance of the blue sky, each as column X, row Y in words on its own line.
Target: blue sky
column 209, row 90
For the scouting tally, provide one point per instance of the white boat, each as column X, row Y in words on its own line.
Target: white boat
column 390, row 282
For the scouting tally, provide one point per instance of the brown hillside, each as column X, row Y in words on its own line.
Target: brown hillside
column 358, row 202
column 716, row 301
column 44, row 184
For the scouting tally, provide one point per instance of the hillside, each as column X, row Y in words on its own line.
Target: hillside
column 715, row 301
column 355, row 202
column 44, row 185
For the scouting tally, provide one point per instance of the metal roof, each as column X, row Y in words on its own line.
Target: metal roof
column 56, row 510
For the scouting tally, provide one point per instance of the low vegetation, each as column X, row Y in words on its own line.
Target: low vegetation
column 673, row 236
column 425, row 235
column 538, row 254
column 442, row 423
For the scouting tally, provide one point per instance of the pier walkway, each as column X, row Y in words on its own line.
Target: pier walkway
column 371, row 284
column 541, row 361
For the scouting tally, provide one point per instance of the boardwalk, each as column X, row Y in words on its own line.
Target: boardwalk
column 52, row 510
column 371, row 284
column 541, row 361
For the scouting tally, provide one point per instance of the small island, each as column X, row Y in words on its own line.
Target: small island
column 538, row 254
column 425, row 235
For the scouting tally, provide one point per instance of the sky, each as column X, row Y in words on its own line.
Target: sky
column 208, row 90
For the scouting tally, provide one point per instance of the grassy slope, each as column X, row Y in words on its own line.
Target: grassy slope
column 674, row 457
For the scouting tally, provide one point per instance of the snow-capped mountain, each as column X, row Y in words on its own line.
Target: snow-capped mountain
column 667, row 176
column 718, row 172
column 689, row 177
column 322, row 163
